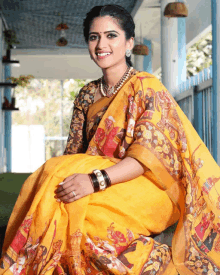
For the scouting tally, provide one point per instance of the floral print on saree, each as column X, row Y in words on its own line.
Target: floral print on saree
column 142, row 121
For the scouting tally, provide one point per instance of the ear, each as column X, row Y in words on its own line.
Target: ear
column 130, row 43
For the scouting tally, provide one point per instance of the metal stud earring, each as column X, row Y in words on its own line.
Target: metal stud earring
column 128, row 53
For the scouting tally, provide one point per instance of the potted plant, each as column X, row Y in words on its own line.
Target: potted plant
column 10, row 39
column 22, row 81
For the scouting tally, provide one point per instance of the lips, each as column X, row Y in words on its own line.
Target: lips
column 102, row 55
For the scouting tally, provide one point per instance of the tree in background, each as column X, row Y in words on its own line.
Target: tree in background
column 199, row 56
column 41, row 102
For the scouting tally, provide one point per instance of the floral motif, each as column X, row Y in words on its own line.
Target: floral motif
column 158, row 261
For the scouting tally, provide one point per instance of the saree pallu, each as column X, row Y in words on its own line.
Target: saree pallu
column 110, row 232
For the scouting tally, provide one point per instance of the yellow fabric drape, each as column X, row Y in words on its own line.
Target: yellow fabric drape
column 109, row 232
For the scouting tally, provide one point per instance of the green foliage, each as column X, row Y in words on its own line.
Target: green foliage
column 77, row 85
column 199, row 56
column 41, row 103
column 22, row 80
column 10, row 38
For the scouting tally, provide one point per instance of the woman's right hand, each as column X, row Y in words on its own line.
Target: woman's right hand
column 74, row 188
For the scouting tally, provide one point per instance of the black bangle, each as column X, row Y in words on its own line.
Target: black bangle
column 106, row 178
column 95, row 182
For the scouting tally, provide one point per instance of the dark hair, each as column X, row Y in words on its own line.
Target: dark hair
column 123, row 17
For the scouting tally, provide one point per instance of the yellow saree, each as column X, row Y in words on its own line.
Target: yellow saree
column 110, row 232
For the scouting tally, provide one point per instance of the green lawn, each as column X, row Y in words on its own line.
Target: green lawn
column 10, row 186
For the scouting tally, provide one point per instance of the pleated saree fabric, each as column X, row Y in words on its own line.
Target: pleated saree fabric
column 110, row 232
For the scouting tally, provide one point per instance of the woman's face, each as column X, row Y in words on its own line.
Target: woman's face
column 107, row 42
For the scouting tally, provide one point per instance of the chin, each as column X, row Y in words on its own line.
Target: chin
column 105, row 65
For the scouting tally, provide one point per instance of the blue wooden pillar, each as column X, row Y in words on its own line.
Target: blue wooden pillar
column 1, row 101
column 216, row 79
column 147, row 62
column 198, row 112
column 8, row 123
column 181, row 50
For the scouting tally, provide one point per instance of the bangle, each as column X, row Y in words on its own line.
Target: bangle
column 100, row 178
column 94, row 182
column 106, row 177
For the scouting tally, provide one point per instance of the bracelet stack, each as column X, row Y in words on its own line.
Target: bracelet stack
column 100, row 180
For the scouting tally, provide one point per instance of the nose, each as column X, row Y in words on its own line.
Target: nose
column 101, row 42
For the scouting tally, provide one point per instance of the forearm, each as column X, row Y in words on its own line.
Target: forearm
column 127, row 169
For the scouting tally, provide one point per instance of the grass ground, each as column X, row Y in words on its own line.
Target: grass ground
column 10, row 185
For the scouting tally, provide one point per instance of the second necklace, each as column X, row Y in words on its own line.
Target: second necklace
column 113, row 90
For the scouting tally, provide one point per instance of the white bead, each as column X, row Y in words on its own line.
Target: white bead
column 114, row 90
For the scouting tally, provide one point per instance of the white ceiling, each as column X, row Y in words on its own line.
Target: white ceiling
column 75, row 63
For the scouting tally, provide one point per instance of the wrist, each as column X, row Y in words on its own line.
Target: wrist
column 99, row 180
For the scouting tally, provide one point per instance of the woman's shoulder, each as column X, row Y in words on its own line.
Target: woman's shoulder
column 148, row 80
column 89, row 87
column 145, row 75
column 86, row 94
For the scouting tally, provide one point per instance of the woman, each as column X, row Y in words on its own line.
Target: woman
column 133, row 166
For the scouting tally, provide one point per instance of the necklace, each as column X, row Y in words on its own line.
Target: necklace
column 106, row 91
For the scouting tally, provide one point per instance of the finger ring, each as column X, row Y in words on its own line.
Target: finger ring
column 74, row 194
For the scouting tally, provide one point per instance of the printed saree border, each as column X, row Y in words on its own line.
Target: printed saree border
column 175, row 193
column 104, row 101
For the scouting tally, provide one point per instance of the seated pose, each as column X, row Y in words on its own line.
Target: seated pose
column 133, row 166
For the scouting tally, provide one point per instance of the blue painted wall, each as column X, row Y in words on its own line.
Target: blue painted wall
column 181, row 50
column 1, row 100
column 147, row 66
column 8, row 123
column 215, row 82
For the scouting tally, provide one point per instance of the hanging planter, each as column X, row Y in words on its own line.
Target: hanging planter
column 62, row 41
column 140, row 49
column 176, row 9
column 62, row 26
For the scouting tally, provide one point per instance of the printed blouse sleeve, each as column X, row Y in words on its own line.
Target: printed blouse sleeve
column 76, row 142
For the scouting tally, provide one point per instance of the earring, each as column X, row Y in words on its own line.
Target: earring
column 128, row 53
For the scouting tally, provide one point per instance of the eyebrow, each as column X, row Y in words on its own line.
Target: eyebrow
column 104, row 32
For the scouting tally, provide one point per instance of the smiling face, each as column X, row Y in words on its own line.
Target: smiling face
column 107, row 42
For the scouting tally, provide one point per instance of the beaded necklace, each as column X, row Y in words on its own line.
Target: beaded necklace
column 113, row 90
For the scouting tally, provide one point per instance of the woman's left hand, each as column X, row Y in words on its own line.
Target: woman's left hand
column 78, row 184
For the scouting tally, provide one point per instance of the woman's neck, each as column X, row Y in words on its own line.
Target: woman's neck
column 113, row 74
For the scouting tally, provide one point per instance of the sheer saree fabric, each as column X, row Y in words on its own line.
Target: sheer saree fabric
column 110, row 232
